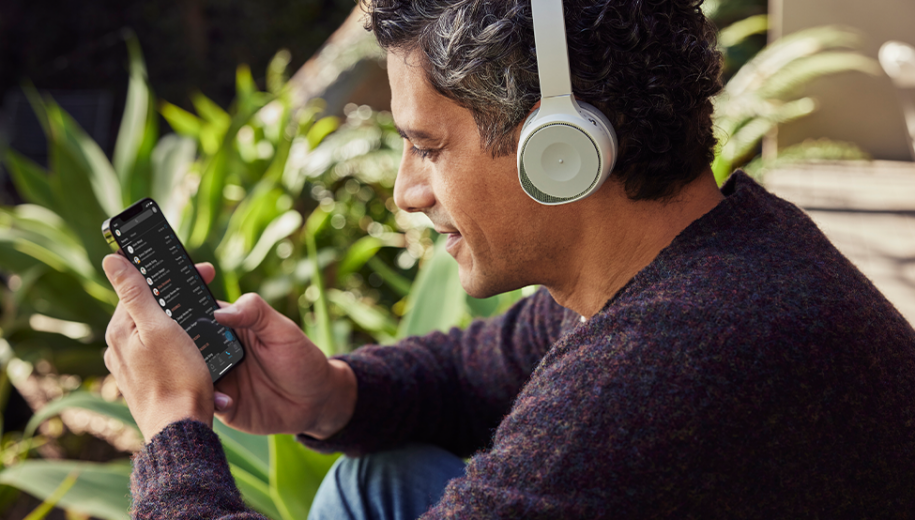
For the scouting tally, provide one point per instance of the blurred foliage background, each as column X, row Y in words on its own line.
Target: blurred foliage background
column 286, row 200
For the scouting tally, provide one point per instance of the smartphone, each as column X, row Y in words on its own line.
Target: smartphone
column 143, row 236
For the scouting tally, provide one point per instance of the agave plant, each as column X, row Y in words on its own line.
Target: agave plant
column 762, row 94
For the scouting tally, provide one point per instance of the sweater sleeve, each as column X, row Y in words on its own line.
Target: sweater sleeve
column 182, row 473
column 449, row 389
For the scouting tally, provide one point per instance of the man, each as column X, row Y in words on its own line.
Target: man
column 692, row 353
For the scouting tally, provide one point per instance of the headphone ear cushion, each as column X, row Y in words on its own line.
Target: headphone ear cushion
column 601, row 124
column 566, row 155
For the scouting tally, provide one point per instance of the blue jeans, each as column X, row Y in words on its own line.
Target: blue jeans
column 400, row 484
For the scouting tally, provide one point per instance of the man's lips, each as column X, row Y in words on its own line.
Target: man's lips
column 453, row 238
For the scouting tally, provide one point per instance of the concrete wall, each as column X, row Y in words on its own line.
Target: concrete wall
column 852, row 106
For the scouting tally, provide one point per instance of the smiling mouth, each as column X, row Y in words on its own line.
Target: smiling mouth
column 453, row 238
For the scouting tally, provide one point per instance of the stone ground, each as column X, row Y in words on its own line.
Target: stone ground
column 867, row 209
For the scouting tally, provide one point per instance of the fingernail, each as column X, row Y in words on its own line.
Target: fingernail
column 225, row 312
column 222, row 400
column 113, row 265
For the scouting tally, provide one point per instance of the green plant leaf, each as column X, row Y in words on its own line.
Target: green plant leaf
column 181, row 121
column 84, row 185
column 209, row 198
column 83, row 400
column 211, row 113
column 171, row 161
column 370, row 318
column 743, row 29
column 57, row 348
column 30, row 179
column 40, row 512
column 801, row 71
column 133, row 122
column 67, row 297
column 321, row 129
column 357, row 255
column 255, row 492
column 90, row 166
column 437, row 301
column 392, row 278
column 281, row 227
column 324, row 336
column 247, row 451
column 41, row 233
column 101, row 490
column 295, row 475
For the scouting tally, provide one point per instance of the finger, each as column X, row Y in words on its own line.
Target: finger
column 250, row 312
column 119, row 328
column 207, row 271
column 222, row 401
column 132, row 289
column 109, row 358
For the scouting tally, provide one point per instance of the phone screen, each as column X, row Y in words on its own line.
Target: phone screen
column 148, row 241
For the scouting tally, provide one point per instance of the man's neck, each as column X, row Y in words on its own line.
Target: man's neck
column 623, row 240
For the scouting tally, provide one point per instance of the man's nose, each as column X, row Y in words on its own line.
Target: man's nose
column 412, row 191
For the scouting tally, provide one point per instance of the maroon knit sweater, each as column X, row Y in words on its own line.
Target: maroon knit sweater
column 750, row 371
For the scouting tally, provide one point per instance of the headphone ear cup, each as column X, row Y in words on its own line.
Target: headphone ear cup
column 600, row 124
column 566, row 152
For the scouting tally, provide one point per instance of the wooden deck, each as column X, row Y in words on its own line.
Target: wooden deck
column 867, row 209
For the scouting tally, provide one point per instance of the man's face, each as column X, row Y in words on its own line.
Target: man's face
column 495, row 231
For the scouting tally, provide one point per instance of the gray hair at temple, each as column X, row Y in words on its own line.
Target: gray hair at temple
column 651, row 66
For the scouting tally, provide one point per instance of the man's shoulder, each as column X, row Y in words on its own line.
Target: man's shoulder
column 756, row 267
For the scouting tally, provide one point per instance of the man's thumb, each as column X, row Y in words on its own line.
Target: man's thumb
column 131, row 287
column 249, row 311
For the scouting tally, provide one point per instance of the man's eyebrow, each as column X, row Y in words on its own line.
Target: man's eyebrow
column 412, row 135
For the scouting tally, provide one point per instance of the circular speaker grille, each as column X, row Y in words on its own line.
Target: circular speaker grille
column 562, row 174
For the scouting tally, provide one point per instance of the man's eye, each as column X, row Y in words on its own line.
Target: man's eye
column 424, row 153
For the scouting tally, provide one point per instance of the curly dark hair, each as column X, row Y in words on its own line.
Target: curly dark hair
column 651, row 66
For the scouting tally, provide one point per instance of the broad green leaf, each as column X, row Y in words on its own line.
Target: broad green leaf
column 45, row 230
column 30, row 179
column 281, row 227
column 324, row 336
column 743, row 29
column 255, row 492
column 171, row 161
column 804, row 70
column 437, row 301
column 321, row 129
column 140, row 182
column 181, row 121
column 392, row 278
column 370, row 318
column 92, row 166
column 83, row 400
column 40, row 512
column 71, row 182
column 244, row 83
column 101, row 490
column 247, row 451
column 295, row 475
column 133, row 121
column 211, row 113
column 68, row 297
column 66, row 354
column 209, row 198
column 357, row 255
column 780, row 53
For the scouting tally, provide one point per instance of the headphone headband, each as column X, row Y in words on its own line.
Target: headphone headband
column 552, row 53
column 567, row 148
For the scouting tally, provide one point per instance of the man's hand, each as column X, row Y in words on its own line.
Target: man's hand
column 156, row 364
column 285, row 384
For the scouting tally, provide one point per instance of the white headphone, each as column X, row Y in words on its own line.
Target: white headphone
column 567, row 148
